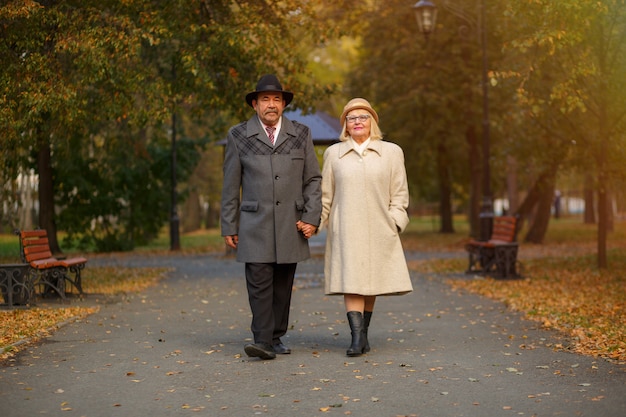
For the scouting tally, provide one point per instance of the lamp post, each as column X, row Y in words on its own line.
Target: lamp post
column 426, row 15
column 174, row 219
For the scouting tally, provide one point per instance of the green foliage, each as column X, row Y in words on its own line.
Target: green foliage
column 69, row 70
column 100, row 79
column 115, row 194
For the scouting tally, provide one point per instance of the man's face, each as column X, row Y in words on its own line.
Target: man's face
column 269, row 106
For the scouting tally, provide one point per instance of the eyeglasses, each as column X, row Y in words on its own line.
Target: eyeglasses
column 361, row 118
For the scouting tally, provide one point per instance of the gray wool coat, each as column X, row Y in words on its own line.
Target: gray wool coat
column 364, row 209
column 267, row 189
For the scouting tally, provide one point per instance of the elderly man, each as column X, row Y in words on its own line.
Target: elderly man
column 271, row 206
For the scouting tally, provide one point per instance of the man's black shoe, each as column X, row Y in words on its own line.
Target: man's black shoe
column 260, row 350
column 281, row 349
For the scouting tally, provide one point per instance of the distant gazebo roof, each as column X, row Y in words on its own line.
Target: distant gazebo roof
column 325, row 129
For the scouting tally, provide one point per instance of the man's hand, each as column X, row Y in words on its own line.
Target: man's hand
column 306, row 229
column 231, row 241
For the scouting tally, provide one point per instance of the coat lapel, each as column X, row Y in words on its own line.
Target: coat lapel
column 376, row 146
column 287, row 130
column 345, row 148
column 255, row 128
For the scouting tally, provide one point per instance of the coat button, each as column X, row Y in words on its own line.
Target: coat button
column 276, row 177
column 278, row 203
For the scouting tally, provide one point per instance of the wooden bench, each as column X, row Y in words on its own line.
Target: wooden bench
column 497, row 256
column 47, row 271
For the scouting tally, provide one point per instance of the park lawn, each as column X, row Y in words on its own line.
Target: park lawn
column 562, row 289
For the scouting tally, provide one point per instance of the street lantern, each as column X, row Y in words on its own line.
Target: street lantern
column 426, row 16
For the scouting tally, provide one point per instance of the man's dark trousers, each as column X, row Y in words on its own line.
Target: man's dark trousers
column 269, row 293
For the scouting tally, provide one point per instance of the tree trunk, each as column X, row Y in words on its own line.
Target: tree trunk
column 475, row 177
column 46, row 191
column 539, row 227
column 213, row 215
column 602, row 161
column 511, row 184
column 445, row 190
column 602, row 223
column 192, row 212
column 543, row 182
column 610, row 214
column 603, row 206
column 27, row 192
column 590, row 212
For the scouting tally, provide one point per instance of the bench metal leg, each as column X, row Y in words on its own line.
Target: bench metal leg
column 499, row 261
column 506, row 261
column 481, row 259
column 51, row 280
column 77, row 281
column 473, row 260
column 16, row 284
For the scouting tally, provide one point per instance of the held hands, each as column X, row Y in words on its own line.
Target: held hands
column 306, row 229
column 231, row 241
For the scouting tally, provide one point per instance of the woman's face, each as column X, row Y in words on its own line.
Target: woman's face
column 359, row 124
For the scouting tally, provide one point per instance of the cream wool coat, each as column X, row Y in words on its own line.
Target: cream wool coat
column 364, row 203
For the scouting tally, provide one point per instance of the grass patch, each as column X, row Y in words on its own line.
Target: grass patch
column 206, row 240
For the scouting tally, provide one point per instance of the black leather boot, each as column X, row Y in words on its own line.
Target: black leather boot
column 367, row 317
column 357, row 348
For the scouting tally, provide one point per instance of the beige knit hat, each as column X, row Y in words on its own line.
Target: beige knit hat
column 358, row 103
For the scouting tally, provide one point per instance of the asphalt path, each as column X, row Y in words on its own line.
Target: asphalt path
column 177, row 349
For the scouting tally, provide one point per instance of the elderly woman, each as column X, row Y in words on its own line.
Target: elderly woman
column 364, row 201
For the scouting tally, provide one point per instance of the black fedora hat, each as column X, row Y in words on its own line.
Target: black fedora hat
column 269, row 82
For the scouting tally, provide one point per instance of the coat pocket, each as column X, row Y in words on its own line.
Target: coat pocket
column 297, row 154
column 249, row 205
column 392, row 224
